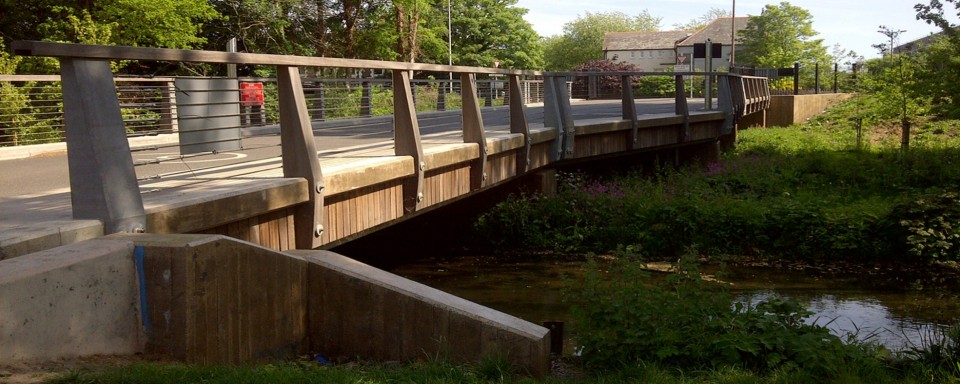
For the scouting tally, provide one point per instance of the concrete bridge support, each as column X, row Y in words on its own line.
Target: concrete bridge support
column 210, row 299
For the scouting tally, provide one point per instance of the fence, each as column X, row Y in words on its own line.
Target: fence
column 31, row 107
column 799, row 80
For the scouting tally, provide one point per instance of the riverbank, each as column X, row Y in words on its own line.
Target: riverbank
column 805, row 193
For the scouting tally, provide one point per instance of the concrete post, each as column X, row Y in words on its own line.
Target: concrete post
column 300, row 155
column 103, row 183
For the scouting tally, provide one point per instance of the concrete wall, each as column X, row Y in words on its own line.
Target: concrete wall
column 358, row 310
column 792, row 109
column 213, row 299
column 76, row 300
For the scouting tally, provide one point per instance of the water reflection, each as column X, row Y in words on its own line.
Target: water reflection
column 896, row 311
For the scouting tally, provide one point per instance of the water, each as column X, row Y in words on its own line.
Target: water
column 897, row 310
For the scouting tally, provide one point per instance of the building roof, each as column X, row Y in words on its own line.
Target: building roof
column 718, row 31
column 918, row 43
column 626, row 41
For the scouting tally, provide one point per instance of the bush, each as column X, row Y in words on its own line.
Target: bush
column 625, row 316
column 928, row 227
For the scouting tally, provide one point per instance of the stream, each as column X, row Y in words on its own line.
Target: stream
column 897, row 310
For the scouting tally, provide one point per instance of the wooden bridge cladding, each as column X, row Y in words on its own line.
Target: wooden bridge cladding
column 316, row 202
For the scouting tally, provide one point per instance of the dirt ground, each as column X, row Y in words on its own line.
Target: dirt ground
column 39, row 372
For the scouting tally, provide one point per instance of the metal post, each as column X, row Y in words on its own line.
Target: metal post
column 103, row 183
column 816, row 78
column 442, row 97
column 796, row 78
column 365, row 99
column 836, row 69
column 708, row 83
column 232, row 47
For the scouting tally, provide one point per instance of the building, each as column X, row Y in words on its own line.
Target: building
column 660, row 51
column 916, row 45
column 648, row 51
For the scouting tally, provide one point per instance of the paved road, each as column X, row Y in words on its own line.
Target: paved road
column 49, row 173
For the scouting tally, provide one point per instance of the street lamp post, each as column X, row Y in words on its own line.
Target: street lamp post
column 450, row 43
column 733, row 33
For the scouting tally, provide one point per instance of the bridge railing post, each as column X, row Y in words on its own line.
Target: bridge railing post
column 557, row 113
column 103, row 183
column 629, row 107
column 473, row 128
column 518, row 123
column 299, row 155
column 406, row 137
column 365, row 99
column 681, row 108
column 441, row 97
column 731, row 100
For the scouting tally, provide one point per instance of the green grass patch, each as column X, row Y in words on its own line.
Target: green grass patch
column 807, row 191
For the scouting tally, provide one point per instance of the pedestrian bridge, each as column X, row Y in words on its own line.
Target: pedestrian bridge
column 299, row 200
column 321, row 188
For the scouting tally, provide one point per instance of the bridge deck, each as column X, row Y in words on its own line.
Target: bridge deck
column 351, row 156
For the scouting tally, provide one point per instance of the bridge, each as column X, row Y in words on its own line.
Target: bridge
column 224, row 252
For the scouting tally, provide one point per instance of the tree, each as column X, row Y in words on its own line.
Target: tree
column 940, row 59
column 582, row 39
column 608, row 86
column 702, row 21
column 779, row 37
column 933, row 14
column 486, row 31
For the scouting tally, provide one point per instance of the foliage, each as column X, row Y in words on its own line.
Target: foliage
column 780, row 36
column 627, row 316
column 582, row 38
column 799, row 192
column 486, row 31
column 931, row 226
column 938, row 353
column 608, row 86
column 656, row 86
column 893, row 81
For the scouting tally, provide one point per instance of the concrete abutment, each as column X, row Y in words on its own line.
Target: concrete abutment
column 210, row 299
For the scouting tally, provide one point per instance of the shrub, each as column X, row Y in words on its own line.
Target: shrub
column 928, row 227
column 624, row 316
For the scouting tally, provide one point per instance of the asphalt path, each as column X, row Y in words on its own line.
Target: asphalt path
column 49, row 174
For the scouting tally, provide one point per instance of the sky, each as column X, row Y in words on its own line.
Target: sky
column 851, row 23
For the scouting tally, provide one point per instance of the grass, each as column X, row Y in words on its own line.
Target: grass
column 805, row 192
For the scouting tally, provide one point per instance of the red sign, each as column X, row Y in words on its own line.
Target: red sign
column 681, row 59
column 251, row 94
